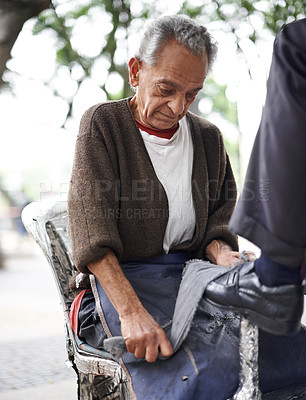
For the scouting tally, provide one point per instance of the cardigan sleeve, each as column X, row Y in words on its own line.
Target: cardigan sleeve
column 93, row 208
column 224, row 197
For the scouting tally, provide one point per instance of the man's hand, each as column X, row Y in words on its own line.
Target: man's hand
column 143, row 336
column 229, row 258
column 220, row 253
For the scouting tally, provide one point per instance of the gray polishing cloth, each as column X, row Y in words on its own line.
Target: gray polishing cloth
column 196, row 276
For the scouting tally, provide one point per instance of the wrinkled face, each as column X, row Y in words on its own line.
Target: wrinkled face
column 166, row 90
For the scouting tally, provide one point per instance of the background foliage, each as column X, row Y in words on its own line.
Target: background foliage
column 123, row 18
column 94, row 39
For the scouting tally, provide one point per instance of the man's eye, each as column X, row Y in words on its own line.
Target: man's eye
column 165, row 92
column 191, row 96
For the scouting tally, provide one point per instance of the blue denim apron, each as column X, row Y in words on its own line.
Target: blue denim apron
column 207, row 366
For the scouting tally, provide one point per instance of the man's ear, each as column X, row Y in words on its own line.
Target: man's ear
column 134, row 68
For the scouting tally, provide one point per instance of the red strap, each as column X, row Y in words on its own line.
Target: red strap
column 74, row 311
column 162, row 133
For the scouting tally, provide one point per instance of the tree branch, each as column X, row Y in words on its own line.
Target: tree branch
column 13, row 14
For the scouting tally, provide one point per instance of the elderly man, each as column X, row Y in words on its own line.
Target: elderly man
column 151, row 180
column 151, row 188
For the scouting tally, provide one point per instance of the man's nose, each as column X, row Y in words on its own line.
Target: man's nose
column 177, row 105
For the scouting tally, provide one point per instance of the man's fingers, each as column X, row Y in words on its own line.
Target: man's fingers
column 151, row 353
column 130, row 346
column 140, row 352
column 166, row 349
column 149, row 347
column 250, row 255
column 144, row 337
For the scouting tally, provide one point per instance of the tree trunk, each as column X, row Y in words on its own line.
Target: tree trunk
column 13, row 14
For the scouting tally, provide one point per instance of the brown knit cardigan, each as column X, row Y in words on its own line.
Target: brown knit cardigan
column 116, row 201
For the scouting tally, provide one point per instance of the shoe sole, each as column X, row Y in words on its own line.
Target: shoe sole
column 279, row 328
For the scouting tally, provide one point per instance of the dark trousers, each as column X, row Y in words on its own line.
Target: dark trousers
column 271, row 211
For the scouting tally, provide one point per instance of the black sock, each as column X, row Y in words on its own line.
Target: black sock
column 271, row 273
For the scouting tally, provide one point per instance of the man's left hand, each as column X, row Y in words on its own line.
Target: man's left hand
column 220, row 253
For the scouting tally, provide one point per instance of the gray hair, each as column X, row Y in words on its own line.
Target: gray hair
column 181, row 28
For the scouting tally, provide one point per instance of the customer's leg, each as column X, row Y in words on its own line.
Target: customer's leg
column 272, row 209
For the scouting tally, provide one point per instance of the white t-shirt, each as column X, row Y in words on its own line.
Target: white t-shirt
column 172, row 160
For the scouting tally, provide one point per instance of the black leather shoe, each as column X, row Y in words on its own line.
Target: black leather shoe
column 277, row 310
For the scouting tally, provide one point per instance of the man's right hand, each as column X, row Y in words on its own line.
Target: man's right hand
column 143, row 335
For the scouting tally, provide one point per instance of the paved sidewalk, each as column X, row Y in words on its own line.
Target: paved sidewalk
column 32, row 339
column 33, row 362
column 52, row 391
